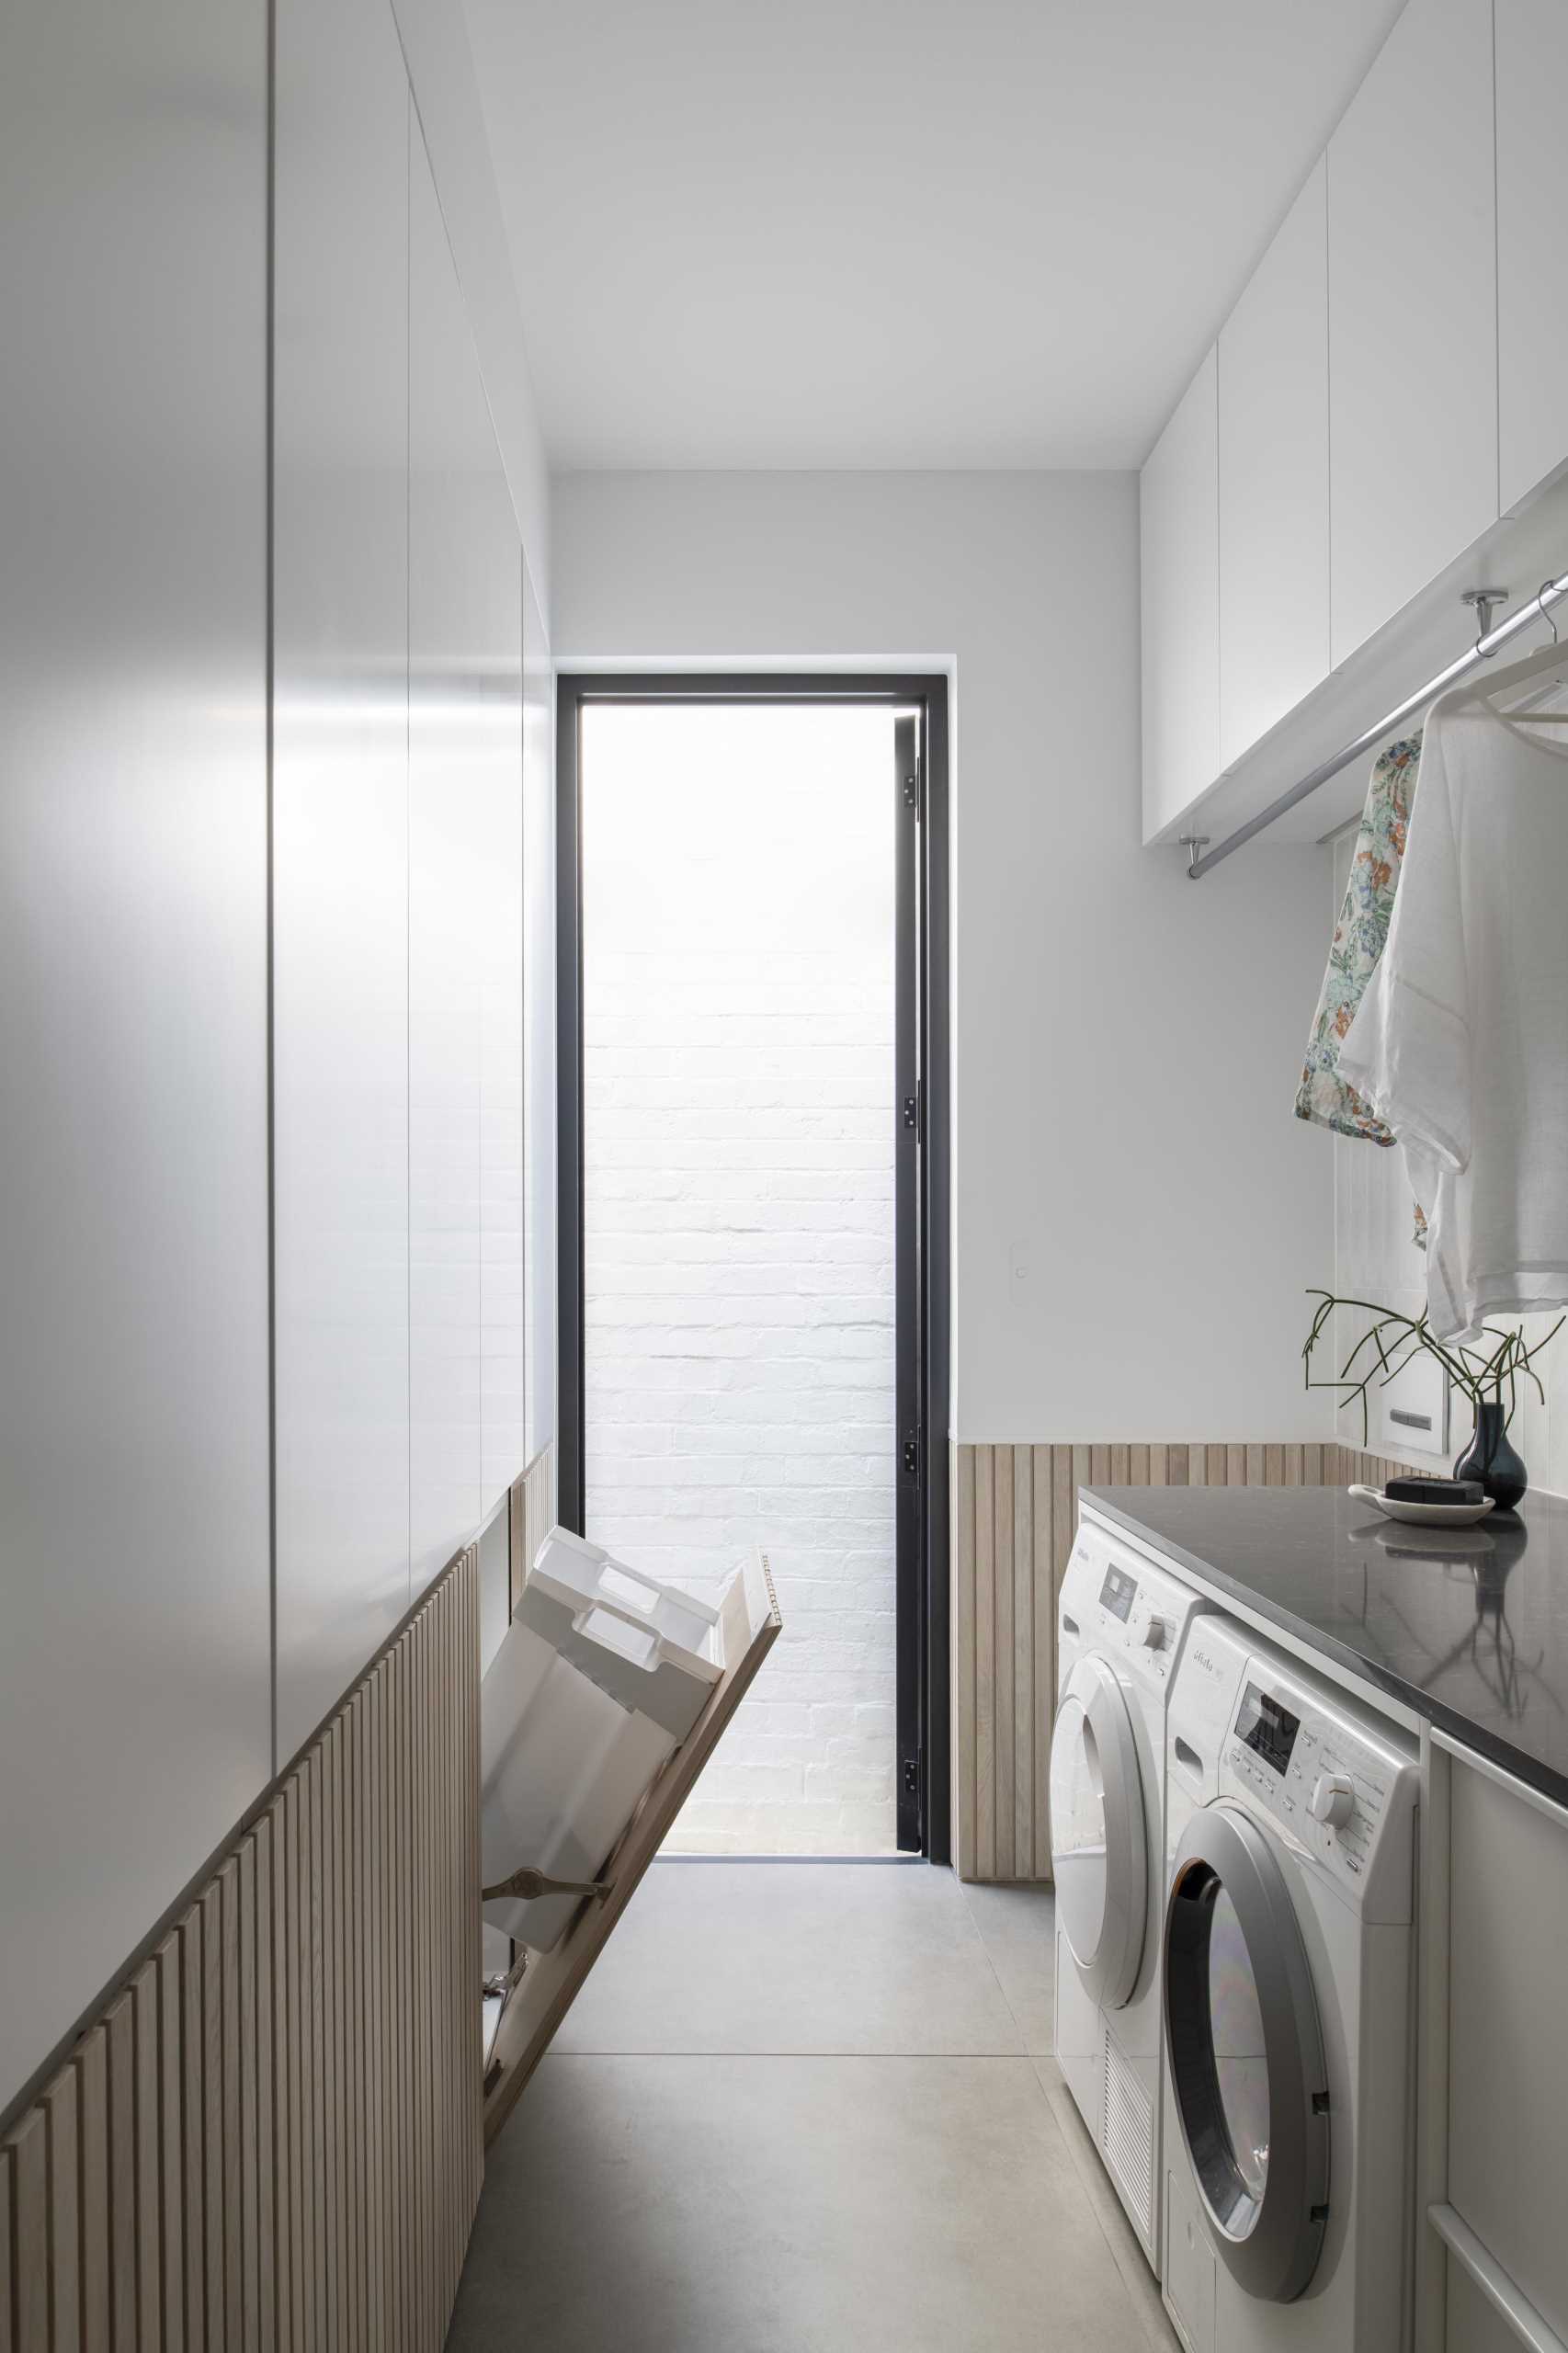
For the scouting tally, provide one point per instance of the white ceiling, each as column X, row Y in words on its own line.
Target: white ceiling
column 894, row 233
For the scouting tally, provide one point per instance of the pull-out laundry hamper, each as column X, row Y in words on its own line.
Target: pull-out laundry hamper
column 601, row 1675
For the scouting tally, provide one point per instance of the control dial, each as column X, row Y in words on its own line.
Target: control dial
column 1154, row 1634
column 1333, row 1799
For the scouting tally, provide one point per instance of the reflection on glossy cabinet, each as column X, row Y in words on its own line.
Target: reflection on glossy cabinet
column 340, row 848
column 1274, row 618
column 1179, row 516
column 1532, row 319
column 134, row 1569
column 1507, row 2054
column 540, row 1271
column 1412, row 274
column 1473, row 2325
column 465, row 1007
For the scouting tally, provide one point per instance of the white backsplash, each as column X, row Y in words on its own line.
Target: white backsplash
column 1376, row 1258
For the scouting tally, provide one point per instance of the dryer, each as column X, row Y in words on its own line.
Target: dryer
column 1288, row 1959
column 1120, row 1627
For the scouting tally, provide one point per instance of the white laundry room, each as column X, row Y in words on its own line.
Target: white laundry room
column 784, row 1176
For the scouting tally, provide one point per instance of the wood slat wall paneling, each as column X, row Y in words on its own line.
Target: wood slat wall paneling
column 1014, row 1515
column 273, row 2137
column 92, row 2092
column 7, row 2339
column 144, row 2010
column 119, row 2026
column 64, row 2213
column 533, row 1515
column 30, row 2221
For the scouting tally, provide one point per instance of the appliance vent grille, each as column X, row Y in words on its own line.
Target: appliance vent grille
column 1127, row 2135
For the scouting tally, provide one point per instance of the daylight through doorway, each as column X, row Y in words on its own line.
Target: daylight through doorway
column 739, row 1126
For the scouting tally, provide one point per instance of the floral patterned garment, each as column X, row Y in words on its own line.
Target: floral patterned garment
column 1358, row 939
column 1354, row 948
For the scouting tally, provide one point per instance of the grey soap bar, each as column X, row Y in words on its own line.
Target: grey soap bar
column 1434, row 1491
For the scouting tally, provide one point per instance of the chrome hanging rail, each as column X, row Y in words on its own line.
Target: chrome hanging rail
column 1202, row 859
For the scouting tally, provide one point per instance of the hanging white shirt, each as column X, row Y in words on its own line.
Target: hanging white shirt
column 1461, row 1039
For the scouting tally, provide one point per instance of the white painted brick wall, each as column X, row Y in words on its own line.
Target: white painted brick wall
column 739, row 1238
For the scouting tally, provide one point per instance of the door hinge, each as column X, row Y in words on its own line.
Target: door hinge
column 914, row 1112
column 911, row 1454
column 912, row 795
column 912, row 1776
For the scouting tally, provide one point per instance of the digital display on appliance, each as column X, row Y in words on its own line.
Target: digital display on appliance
column 1266, row 1728
column 1117, row 1593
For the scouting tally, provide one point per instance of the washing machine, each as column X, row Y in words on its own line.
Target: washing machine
column 1289, row 1972
column 1121, row 1625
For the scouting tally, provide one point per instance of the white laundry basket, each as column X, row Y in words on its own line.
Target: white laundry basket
column 601, row 1674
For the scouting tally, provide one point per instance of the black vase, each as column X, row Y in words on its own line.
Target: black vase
column 1490, row 1457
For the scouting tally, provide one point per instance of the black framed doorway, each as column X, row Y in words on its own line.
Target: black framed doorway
column 919, row 783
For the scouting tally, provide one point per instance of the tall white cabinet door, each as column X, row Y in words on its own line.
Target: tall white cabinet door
column 1411, row 281
column 135, row 1665
column 340, row 848
column 448, row 430
column 540, row 1238
column 1179, row 514
column 1532, row 319
column 1274, row 628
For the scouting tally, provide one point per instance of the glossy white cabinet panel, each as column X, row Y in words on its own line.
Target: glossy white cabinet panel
column 1274, row 617
column 340, row 848
column 134, row 1573
column 1472, row 2323
column 465, row 920
column 1179, row 511
column 1507, row 2053
column 498, row 914
column 540, row 1265
column 446, row 850
column 1413, row 320
column 1532, row 318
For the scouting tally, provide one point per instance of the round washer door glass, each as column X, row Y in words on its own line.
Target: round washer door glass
column 1241, row 2064
column 1245, row 2052
column 1098, row 1849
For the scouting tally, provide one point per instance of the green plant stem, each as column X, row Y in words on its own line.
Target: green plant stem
column 1474, row 1370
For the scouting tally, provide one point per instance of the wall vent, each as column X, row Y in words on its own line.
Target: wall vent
column 1127, row 2136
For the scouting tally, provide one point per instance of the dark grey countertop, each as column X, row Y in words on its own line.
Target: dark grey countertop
column 1468, row 1627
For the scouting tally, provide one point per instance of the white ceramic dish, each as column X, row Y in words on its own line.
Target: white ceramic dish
column 1424, row 1515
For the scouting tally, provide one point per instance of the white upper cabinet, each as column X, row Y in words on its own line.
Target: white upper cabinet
column 1180, row 512
column 1274, row 608
column 1532, row 320
column 1412, row 346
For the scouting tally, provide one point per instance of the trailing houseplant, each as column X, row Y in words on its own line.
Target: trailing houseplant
column 1488, row 1373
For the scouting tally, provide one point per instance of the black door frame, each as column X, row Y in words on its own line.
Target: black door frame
column 923, row 1191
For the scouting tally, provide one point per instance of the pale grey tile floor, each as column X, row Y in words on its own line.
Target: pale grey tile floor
column 806, row 2107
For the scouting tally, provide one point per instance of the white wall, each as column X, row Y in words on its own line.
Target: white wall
column 1137, row 1214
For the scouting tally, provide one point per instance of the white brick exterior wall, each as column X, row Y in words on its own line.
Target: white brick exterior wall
column 739, row 1232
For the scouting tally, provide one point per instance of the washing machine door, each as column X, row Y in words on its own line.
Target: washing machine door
column 1244, row 2049
column 1099, row 1842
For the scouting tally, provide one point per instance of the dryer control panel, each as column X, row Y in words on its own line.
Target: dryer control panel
column 1115, row 1603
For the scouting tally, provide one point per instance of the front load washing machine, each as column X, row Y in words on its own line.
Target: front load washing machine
column 1121, row 1628
column 1289, row 1961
